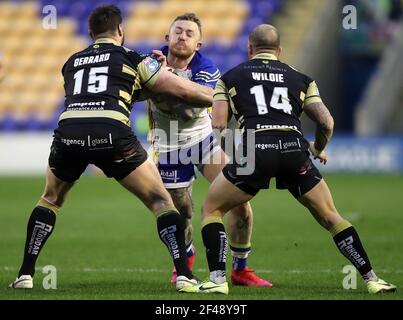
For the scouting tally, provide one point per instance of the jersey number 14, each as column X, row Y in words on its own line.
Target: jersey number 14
column 279, row 99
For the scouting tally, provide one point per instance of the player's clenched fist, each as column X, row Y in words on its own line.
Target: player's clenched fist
column 321, row 155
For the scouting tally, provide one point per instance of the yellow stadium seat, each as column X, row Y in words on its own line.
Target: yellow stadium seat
column 28, row 10
column 23, row 104
column 24, row 28
column 228, row 28
column 240, row 10
column 6, row 98
column 12, row 82
column 139, row 29
column 8, row 10
column 11, row 45
column 66, row 27
column 144, row 10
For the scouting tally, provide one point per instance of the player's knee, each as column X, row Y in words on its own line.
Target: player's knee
column 243, row 211
column 204, row 211
column 53, row 197
column 158, row 200
column 158, row 204
column 185, row 210
column 208, row 211
column 183, row 202
column 329, row 219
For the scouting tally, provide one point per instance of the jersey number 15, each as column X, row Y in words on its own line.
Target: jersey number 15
column 97, row 80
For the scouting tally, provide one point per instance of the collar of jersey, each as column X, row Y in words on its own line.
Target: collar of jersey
column 106, row 40
column 265, row 55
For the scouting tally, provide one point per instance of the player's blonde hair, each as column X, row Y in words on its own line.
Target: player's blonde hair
column 190, row 17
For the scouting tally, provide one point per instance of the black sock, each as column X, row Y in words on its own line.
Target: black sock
column 171, row 229
column 215, row 241
column 40, row 226
column 350, row 246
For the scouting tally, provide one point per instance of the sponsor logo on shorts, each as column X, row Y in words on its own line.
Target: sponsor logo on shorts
column 75, row 142
column 171, row 175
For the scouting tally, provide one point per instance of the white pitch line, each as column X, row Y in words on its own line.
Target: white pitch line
column 154, row 270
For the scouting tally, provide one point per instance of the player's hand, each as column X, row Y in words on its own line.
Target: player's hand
column 321, row 155
column 157, row 54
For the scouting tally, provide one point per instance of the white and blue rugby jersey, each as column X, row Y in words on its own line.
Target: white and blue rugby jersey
column 172, row 130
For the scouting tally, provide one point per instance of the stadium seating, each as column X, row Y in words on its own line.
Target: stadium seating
column 31, row 91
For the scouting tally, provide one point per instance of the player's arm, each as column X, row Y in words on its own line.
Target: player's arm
column 160, row 80
column 220, row 106
column 316, row 110
column 179, row 103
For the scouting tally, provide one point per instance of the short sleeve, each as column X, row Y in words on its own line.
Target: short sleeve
column 148, row 70
column 312, row 93
column 221, row 91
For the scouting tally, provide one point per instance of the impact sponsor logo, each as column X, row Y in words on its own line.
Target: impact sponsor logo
column 275, row 127
column 168, row 234
column 86, row 106
column 41, row 230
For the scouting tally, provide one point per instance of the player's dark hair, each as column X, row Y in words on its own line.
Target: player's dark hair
column 104, row 19
column 189, row 17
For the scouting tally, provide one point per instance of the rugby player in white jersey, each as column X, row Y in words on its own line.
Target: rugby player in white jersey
column 182, row 139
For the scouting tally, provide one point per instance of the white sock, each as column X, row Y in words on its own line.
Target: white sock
column 218, row 276
column 370, row 276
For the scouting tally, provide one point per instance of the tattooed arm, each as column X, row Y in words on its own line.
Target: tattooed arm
column 221, row 111
column 220, row 115
column 318, row 113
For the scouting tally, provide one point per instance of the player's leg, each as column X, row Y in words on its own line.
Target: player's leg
column 221, row 197
column 177, row 179
column 239, row 228
column 145, row 182
column 182, row 199
column 40, row 226
column 320, row 203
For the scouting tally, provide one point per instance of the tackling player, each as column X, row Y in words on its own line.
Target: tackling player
column 193, row 138
column 101, row 83
column 267, row 98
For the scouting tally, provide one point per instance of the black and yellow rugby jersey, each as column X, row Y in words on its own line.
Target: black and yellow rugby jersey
column 266, row 94
column 104, row 80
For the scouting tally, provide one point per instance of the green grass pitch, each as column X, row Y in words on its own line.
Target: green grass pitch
column 105, row 245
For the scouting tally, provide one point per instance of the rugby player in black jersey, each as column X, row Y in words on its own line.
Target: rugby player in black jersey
column 267, row 98
column 101, row 83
